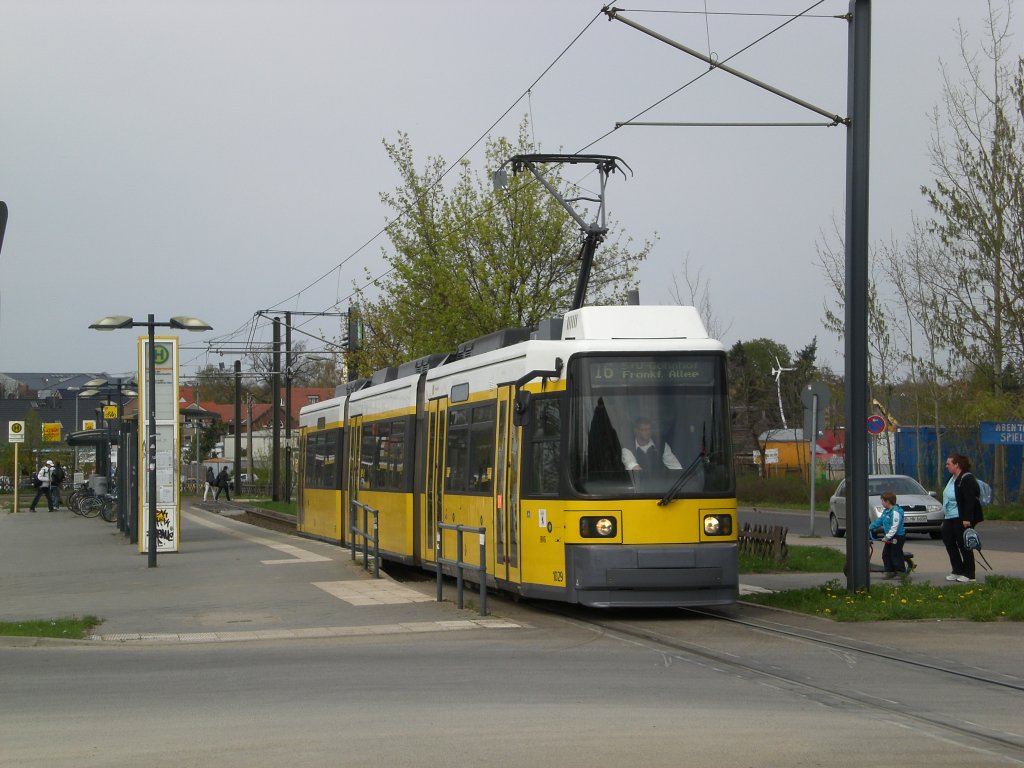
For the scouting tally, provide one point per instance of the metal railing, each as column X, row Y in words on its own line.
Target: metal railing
column 461, row 564
column 355, row 531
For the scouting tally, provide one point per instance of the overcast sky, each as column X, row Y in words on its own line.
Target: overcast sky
column 215, row 158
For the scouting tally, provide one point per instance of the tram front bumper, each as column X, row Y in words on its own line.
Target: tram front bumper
column 607, row 576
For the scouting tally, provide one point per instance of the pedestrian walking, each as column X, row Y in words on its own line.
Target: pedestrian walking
column 223, row 484
column 210, row 480
column 57, row 478
column 43, row 488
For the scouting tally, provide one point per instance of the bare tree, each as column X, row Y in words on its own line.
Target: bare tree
column 697, row 293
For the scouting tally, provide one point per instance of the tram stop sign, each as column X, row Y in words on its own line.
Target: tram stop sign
column 812, row 389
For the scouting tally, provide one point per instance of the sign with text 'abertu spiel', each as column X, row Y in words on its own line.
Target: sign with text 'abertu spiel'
column 1002, row 433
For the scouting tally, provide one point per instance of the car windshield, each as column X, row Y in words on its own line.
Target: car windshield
column 898, row 485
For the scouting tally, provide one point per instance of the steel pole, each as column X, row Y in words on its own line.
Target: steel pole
column 857, row 166
column 151, row 408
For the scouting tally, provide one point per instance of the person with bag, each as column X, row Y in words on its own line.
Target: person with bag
column 210, row 480
column 57, row 477
column 43, row 489
column 967, row 494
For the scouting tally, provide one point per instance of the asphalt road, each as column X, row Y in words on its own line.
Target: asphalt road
column 557, row 693
column 400, row 688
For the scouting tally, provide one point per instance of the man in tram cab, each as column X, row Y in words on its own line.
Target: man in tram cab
column 648, row 459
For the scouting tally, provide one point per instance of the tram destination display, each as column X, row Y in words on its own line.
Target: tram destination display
column 648, row 370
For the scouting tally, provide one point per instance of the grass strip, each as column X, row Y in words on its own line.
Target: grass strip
column 999, row 598
column 73, row 628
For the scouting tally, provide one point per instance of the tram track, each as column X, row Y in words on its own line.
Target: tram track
column 661, row 633
column 888, row 653
column 665, row 631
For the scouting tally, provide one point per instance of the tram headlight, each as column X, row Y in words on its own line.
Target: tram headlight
column 718, row 525
column 598, row 527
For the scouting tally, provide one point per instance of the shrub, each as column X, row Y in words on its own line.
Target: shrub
column 789, row 489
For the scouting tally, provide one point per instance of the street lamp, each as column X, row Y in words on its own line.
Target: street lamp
column 117, row 322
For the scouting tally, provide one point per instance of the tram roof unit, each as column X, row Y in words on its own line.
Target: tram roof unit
column 332, row 411
column 503, row 356
column 590, row 329
column 633, row 322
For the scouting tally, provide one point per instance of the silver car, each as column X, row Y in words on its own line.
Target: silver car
column 923, row 509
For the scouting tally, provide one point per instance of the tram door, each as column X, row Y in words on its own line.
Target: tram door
column 506, row 497
column 431, row 509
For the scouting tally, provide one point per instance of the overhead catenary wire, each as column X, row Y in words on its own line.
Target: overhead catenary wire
column 253, row 324
column 458, row 161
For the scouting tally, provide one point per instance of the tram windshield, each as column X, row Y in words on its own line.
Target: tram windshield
column 639, row 423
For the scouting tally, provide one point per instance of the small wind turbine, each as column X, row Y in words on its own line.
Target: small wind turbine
column 777, row 373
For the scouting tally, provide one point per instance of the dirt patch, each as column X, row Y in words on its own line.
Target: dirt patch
column 263, row 522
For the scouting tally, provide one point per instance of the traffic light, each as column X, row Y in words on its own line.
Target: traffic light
column 355, row 331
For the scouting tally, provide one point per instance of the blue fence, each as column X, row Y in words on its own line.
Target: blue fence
column 912, row 441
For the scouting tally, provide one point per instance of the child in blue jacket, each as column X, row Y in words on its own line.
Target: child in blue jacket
column 894, row 534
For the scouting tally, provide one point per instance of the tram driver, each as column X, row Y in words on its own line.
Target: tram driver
column 649, row 458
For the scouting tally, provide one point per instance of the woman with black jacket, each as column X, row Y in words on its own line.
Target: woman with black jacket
column 968, row 504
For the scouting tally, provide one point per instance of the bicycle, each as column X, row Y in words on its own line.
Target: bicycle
column 909, row 566
column 108, row 506
column 90, row 505
column 78, row 496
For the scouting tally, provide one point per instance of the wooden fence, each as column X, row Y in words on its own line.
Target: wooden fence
column 767, row 541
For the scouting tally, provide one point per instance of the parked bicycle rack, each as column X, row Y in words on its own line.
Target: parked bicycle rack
column 355, row 531
column 461, row 564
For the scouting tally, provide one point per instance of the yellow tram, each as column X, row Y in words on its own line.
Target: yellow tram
column 594, row 451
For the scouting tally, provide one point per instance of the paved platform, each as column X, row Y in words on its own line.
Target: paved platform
column 230, row 581
column 929, row 555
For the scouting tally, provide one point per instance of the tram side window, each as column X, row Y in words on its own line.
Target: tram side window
column 321, row 460
column 469, row 451
column 383, row 455
column 544, row 446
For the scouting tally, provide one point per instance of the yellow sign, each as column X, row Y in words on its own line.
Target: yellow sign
column 16, row 431
column 109, row 411
column 51, row 432
column 88, row 424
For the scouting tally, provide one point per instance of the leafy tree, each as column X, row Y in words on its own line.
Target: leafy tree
column 468, row 262
column 977, row 153
column 753, row 393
